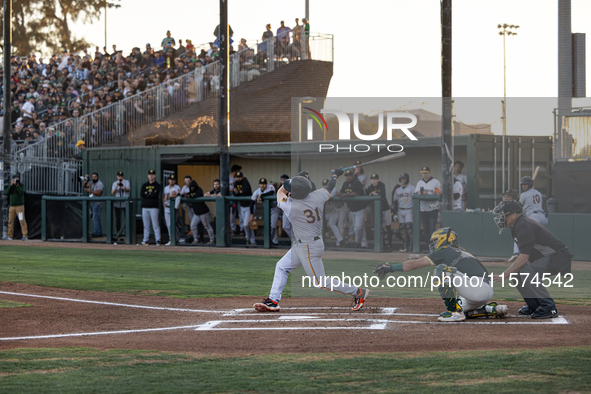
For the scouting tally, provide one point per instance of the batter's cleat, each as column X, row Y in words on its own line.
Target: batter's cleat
column 513, row 258
column 360, row 299
column 525, row 311
column 267, row 305
column 452, row 316
column 539, row 314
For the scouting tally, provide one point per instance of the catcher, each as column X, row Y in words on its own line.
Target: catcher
column 450, row 261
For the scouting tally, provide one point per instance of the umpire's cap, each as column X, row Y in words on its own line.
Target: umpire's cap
column 299, row 187
column 527, row 180
column 512, row 206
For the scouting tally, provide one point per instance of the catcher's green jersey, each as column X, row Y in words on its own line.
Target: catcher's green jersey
column 466, row 263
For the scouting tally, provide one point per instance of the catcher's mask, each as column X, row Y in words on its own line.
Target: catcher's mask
column 502, row 210
column 442, row 237
column 299, row 187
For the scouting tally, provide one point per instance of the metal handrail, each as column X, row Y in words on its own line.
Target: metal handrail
column 124, row 116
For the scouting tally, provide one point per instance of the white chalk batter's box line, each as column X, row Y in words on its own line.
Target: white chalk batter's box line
column 213, row 325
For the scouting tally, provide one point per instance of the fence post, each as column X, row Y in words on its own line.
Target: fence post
column 416, row 232
column 43, row 219
column 128, row 215
column 173, row 213
column 220, row 221
column 85, row 221
column 267, row 223
column 109, row 221
column 377, row 225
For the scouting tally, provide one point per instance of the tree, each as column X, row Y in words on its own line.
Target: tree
column 43, row 25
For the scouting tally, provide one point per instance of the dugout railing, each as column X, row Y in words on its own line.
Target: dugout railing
column 86, row 202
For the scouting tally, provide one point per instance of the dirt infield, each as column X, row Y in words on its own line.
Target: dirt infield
column 228, row 326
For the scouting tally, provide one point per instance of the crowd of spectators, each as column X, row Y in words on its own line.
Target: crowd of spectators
column 65, row 87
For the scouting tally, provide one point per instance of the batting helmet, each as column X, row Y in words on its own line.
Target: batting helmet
column 527, row 180
column 299, row 187
column 404, row 175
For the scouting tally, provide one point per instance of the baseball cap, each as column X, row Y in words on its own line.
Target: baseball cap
column 151, row 172
column 357, row 162
column 349, row 172
column 239, row 174
column 263, row 180
column 374, row 176
column 512, row 207
column 425, row 169
column 80, row 142
column 173, row 177
column 120, row 173
column 324, row 182
column 284, row 176
column 508, row 191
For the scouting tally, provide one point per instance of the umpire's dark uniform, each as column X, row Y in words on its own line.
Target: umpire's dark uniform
column 547, row 254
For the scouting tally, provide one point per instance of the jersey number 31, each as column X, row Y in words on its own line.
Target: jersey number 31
column 310, row 218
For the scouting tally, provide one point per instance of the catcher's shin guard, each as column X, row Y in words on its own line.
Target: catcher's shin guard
column 446, row 288
column 488, row 310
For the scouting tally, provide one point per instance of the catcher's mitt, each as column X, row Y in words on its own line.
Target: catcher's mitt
column 253, row 225
column 382, row 270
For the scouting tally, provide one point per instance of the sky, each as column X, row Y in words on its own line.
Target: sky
column 388, row 48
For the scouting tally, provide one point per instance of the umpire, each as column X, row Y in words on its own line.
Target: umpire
column 540, row 253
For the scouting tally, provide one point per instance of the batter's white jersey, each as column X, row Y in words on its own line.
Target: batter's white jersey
column 458, row 189
column 432, row 186
column 531, row 201
column 404, row 196
column 306, row 215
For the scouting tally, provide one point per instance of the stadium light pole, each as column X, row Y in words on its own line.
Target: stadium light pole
column 108, row 5
column 446, row 105
column 7, row 148
column 505, row 30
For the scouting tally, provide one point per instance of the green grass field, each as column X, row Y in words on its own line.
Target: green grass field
column 179, row 274
column 75, row 370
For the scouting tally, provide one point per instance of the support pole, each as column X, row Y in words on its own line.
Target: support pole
column 446, row 104
column 224, row 116
column 6, row 151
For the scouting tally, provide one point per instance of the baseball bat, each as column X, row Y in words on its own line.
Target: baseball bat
column 376, row 161
column 536, row 173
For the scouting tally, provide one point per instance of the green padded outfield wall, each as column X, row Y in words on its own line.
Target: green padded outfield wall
column 479, row 235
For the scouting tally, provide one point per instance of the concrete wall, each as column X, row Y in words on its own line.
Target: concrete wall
column 479, row 234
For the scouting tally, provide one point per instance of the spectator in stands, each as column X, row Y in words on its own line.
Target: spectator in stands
column 307, row 37
column 168, row 44
column 28, row 109
column 190, row 47
column 181, row 50
column 16, row 196
column 120, row 188
column 283, row 33
column 95, row 189
column 297, row 31
column 158, row 60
